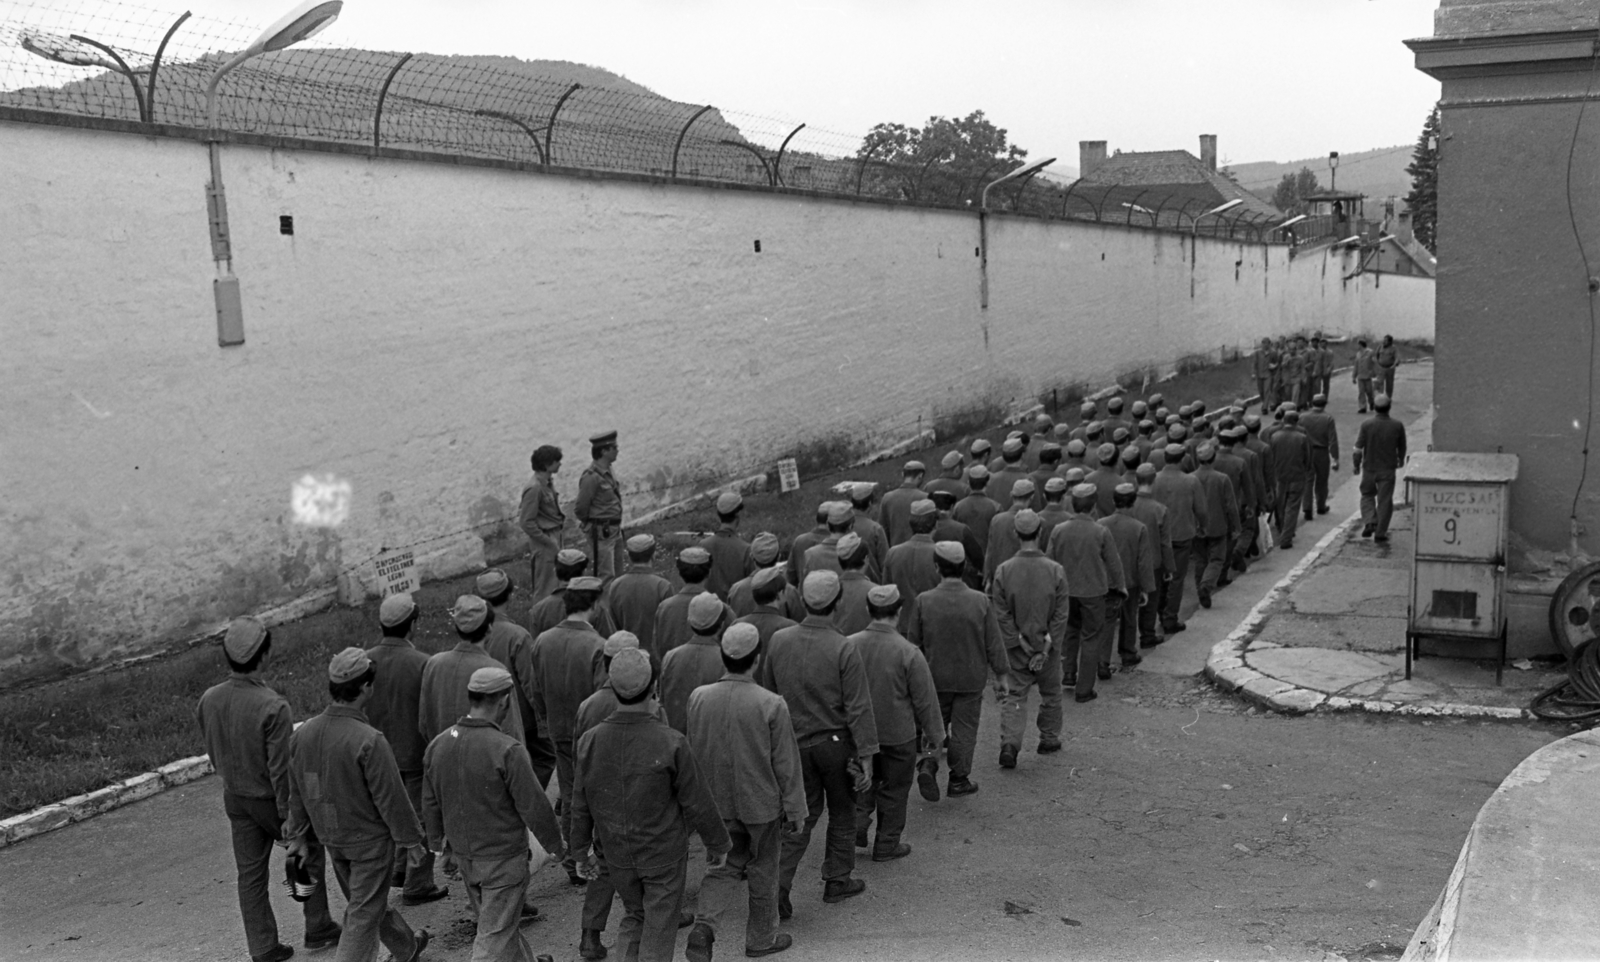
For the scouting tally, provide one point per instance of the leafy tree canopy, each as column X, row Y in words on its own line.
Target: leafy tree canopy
column 945, row 160
column 1290, row 194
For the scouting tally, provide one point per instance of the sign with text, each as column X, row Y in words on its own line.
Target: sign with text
column 788, row 475
column 397, row 572
column 1459, row 520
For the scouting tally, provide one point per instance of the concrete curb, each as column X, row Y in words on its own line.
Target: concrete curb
column 1226, row 667
column 79, row 807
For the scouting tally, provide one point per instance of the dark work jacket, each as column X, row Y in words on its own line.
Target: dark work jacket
column 344, row 783
column 479, row 791
column 1222, row 507
column 246, row 728
column 1291, row 455
column 959, row 633
column 818, row 672
column 1382, row 445
column 396, row 696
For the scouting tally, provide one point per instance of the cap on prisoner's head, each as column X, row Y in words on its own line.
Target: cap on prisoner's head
column 641, row 547
column 764, row 548
column 1107, row 453
column 1077, row 448
column 489, row 681
column 1087, row 410
column 1156, row 400
column 924, row 515
column 396, row 608
column 1123, row 495
column 1084, row 497
column 1147, row 426
column 1026, row 523
column 912, row 468
column 570, row 563
column 1175, row 453
column 1177, row 432
column 1145, row 472
column 943, row 500
column 705, row 612
column 1252, row 422
column 820, row 589
column 1140, row 409
column 619, row 641
column 861, row 493
column 348, row 665
column 851, row 550
column 1131, row 456
column 740, row 640
column 840, row 513
column 630, row 673
column 1382, row 402
column 1119, row 437
column 1011, row 450
column 950, row 552
column 977, row 473
column 1094, row 430
column 1206, row 452
column 951, row 460
column 980, row 447
column 1022, row 489
column 1319, row 400
column 729, row 502
column 1114, row 405
column 1055, row 487
column 1074, row 476
column 1291, row 416
column 492, row 585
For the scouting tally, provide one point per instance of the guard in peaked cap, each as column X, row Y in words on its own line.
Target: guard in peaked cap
column 603, row 437
column 598, row 506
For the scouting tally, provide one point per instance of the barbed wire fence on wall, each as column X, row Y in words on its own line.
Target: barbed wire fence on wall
column 122, row 61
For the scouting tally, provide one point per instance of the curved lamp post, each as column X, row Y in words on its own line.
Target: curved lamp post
column 77, row 51
column 298, row 24
column 1026, row 170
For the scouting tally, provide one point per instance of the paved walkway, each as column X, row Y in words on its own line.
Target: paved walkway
column 1331, row 636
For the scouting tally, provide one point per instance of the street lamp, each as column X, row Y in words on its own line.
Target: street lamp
column 77, row 51
column 1333, row 170
column 1026, row 170
column 1194, row 222
column 298, row 24
column 1291, row 221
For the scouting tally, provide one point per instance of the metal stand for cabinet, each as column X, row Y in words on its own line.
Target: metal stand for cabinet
column 1414, row 651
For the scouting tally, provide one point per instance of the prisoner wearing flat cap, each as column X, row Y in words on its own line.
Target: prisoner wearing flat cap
column 489, row 681
column 951, row 551
column 619, row 641
column 629, row 672
column 729, row 501
column 704, row 611
column 764, row 548
column 492, row 583
column 821, row 587
column 396, row 608
column 640, row 543
column 244, row 638
column 740, row 639
column 469, row 613
column 348, row 665
column 694, row 555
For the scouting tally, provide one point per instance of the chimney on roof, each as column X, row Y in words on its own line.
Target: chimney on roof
column 1091, row 154
column 1402, row 229
column 1208, row 151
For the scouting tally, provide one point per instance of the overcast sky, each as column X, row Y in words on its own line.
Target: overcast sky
column 1274, row 79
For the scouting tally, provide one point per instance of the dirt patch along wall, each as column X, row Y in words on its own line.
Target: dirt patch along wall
column 426, row 325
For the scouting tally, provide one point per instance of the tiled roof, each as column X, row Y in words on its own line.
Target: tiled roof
column 1175, row 174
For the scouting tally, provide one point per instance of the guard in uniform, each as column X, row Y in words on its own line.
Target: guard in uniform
column 345, row 787
column 246, row 727
column 599, row 506
column 730, row 554
column 1031, row 606
column 541, row 519
column 1324, row 434
column 480, row 792
column 1380, row 451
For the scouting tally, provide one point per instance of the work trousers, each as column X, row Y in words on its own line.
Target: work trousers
column 1264, row 389
column 1326, row 387
column 255, row 825
column 1011, row 693
column 541, row 751
column 1080, row 652
column 1122, row 628
column 368, row 919
column 1291, row 492
column 496, row 888
column 825, row 768
column 1317, row 490
column 1150, row 611
column 1210, row 561
column 1291, row 391
column 598, row 893
column 418, row 869
column 651, row 901
column 545, row 546
column 605, row 548
column 564, row 771
column 1387, row 374
column 892, row 771
column 1364, row 394
column 1377, row 499
column 962, row 711
column 1173, row 600
column 752, row 866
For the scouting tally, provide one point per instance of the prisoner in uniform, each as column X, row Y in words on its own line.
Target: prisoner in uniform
column 1262, row 366
column 1055, row 509
column 950, row 479
column 1364, row 373
column 980, row 451
column 804, row 540
column 540, row 517
column 1136, row 550
column 1049, row 463
column 246, row 728
column 639, row 793
column 947, row 528
column 819, row 674
column 511, row 645
column 631, row 598
column 867, row 528
column 1114, row 419
column 1003, row 543
column 1011, row 468
column 696, row 662
column 443, row 697
column 764, row 552
column 743, row 740
column 1031, row 606
column 730, row 554
column 1294, row 373
column 672, row 618
column 1105, row 479
column 767, row 591
column 1380, row 451
column 1221, row 524
column 1233, row 443
column 910, row 566
column 903, row 698
column 1388, row 360
column 544, row 615
column 1153, row 515
column 851, row 615
column 894, row 511
column 1180, row 494
column 1086, row 415
column 957, row 631
column 1094, row 578
column 1269, row 475
column 1231, row 462
column 481, row 794
column 396, row 695
column 566, row 662
column 345, row 787
column 824, row 554
column 599, row 506
column 1324, row 435
column 1291, row 460
column 977, row 509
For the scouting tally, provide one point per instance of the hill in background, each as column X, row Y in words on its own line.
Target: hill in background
column 1378, row 173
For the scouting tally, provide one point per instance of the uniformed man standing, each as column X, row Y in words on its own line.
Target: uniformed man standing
column 546, row 614
column 1291, row 461
column 867, row 528
column 396, row 696
column 903, row 698
column 1363, row 374
column 730, row 554
column 763, row 554
column 894, row 510
column 1269, row 477
column 1324, row 435
column 1180, row 494
column 852, row 615
column 824, row 554
column 541, row 519
column 1031, row 606
column 819, row 674
column 1003, row 543
column 1388, row 360
column 482, row 795
column 344, row 785
column 696, row 662
column 639, row 793
column 804, row 540
column 1221, row 527
column 1105, row 479
column 959, row 633
column 599, row 506
column 1380, row 451
column 632, row 597
column 1136, row 550
column 743, row 741
column 1294, row 372
column 246, row 727
column 566, row 662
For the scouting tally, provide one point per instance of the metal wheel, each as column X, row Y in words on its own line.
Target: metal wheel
column 1575, row 609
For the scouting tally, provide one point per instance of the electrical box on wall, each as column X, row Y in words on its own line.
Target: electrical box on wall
column 1462, row 522
column 230, row 311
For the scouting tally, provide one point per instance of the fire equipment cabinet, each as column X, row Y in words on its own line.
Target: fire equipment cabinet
column 1458, row 574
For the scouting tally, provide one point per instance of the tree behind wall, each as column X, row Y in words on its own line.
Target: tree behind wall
column 1289, row 196
column 944, row 161
column 1423, row 201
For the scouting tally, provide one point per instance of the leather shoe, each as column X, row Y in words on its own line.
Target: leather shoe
column 324, row 941
column 837, row 890
column 422, row 939
column 1174, row 628
column 276, row 955
column 1130, row 662
column 1047, row 748
column 861, row 837
column 928, row 783
column 1091, row 696
column 423, row 898
column 589, row 946
column 1322, row 510
column 1381, row 538
column 1104, row 674
column 1205, row 597
column 398, row 879
column 1366, row 530
column 785, row 907
column 1308, row 516
column 780, row 942
column 1008, row 757
column 900, row 850
column 700, row 940
column 960, row 786
column 530, row 913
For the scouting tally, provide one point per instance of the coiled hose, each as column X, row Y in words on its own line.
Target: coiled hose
column 1577, row 698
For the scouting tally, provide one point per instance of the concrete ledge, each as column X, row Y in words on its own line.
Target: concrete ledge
column 80, row 807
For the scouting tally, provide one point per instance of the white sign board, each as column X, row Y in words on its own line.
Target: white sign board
column 397, row 572
column 1460, row 520
column 788, row 475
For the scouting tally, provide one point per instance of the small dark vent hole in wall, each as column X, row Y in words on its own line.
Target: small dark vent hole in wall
column 286, row 225
column 758, row 247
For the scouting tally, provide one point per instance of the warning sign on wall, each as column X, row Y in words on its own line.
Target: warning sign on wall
column 788, row 475
column 397, row 572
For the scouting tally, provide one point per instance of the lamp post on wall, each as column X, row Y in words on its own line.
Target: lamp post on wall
column 298, row 24
column 1025, row 170
column 1333, row 170
column 1194, row 222
column 79, row 51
